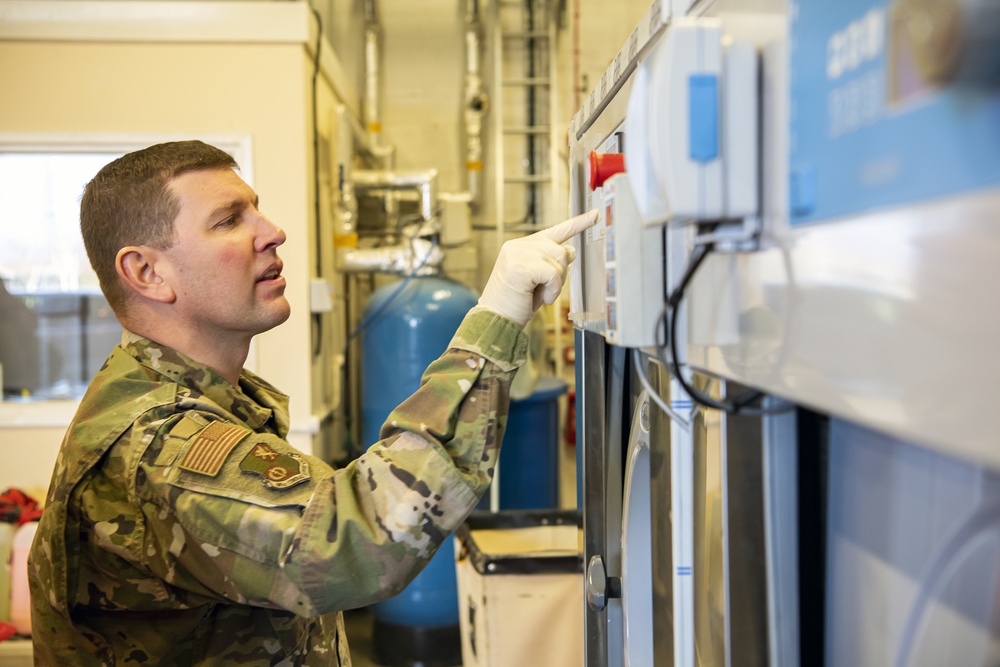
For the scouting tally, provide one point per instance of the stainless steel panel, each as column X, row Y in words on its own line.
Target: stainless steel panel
column 709, row 559
column 607, row 416
column 745, row 550
column 781, row 516
column 618, row 416
column 602, row 490
column 660, row 517
column 730, row 575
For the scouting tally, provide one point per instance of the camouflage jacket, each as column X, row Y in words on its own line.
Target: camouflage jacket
column 182, row 529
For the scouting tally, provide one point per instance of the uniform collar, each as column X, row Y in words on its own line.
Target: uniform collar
column 254, row 402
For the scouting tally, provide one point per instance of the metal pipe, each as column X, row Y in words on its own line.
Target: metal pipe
column 476, row 103
column 418, row 254
column 419, row 257
column 373, row 120
column 347, row 213
column 497, row 143
column 424, row 182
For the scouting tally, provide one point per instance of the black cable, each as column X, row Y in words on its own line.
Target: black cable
column 738, row 405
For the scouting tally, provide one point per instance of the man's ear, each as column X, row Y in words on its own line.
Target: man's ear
column 136, row 266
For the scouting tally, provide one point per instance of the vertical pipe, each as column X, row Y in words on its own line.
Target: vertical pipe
column 496, row 40
column 373, row 121
column 373, row 105
column 576, row 56
column 531, row 54
column 550, row 213
column 476, row 103
column 498, row 143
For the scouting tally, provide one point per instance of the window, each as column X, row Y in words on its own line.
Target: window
column 57, row 327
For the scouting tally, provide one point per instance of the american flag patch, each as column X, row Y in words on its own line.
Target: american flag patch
column 208, row 451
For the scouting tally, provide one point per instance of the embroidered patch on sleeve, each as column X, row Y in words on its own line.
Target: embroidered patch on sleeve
column 208, row 451
column 279, row 471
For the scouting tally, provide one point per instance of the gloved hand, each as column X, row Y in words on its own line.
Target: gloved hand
column 531, row 270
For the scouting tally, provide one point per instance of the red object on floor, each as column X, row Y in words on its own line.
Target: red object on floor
column 7, row 630
column 18, row 507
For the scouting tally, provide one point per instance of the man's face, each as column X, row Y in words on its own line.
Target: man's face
column 224, row 264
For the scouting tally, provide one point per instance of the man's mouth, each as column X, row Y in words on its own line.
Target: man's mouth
column 270, row 274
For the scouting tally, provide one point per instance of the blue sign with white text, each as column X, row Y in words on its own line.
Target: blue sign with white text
column 868, row 132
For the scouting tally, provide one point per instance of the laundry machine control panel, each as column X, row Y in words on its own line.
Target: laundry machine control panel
column 685, row 151
column 620, row 286
column 634, row 264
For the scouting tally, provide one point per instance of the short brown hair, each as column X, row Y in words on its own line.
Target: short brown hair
column 129, row 202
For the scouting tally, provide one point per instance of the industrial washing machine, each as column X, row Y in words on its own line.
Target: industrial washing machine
column 798, row 204
column 674, row 546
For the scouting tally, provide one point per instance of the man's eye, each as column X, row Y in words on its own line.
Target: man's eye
column 228, row 222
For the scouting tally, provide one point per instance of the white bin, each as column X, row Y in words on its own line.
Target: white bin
column 520, row 588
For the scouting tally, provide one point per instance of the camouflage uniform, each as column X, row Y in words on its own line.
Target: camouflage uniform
column 182, row 529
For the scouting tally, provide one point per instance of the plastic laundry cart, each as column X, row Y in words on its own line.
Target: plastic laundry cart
column 520, row 588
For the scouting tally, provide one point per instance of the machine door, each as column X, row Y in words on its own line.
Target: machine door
column 600, row 386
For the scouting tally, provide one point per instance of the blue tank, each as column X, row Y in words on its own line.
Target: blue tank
column 405, row 332
column 529, row 459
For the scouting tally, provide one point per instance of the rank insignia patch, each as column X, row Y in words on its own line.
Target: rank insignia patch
column 208, row 451
column 279, row 471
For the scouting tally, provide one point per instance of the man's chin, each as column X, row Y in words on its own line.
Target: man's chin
column 281, row 314
column 277, row 314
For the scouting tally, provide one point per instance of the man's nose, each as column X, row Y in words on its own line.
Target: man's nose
column 270, row 235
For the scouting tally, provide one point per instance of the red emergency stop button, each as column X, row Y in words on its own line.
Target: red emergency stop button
column 603, row 166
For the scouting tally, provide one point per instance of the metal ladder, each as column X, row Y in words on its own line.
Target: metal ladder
column 524, row 81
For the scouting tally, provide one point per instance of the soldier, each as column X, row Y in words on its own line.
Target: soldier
column 181, row 528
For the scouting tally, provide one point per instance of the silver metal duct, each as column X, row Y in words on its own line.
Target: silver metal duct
column 418, row 254
column 424, row 182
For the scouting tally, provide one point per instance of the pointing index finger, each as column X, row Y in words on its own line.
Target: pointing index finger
column 567, row 229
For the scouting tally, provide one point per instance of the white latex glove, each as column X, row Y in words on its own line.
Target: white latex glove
column 531, row 270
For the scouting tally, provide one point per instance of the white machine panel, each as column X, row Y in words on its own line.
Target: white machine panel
column 634, row 264
column 689, row 143
column 694, row 104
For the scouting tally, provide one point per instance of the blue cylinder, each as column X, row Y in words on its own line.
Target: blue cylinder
column 408, row 325
column 529, row 458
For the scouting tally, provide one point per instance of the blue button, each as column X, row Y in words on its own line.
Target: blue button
column 703, row 118
column 803, row 191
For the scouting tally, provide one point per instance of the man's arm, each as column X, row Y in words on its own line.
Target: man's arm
column 350, row 537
